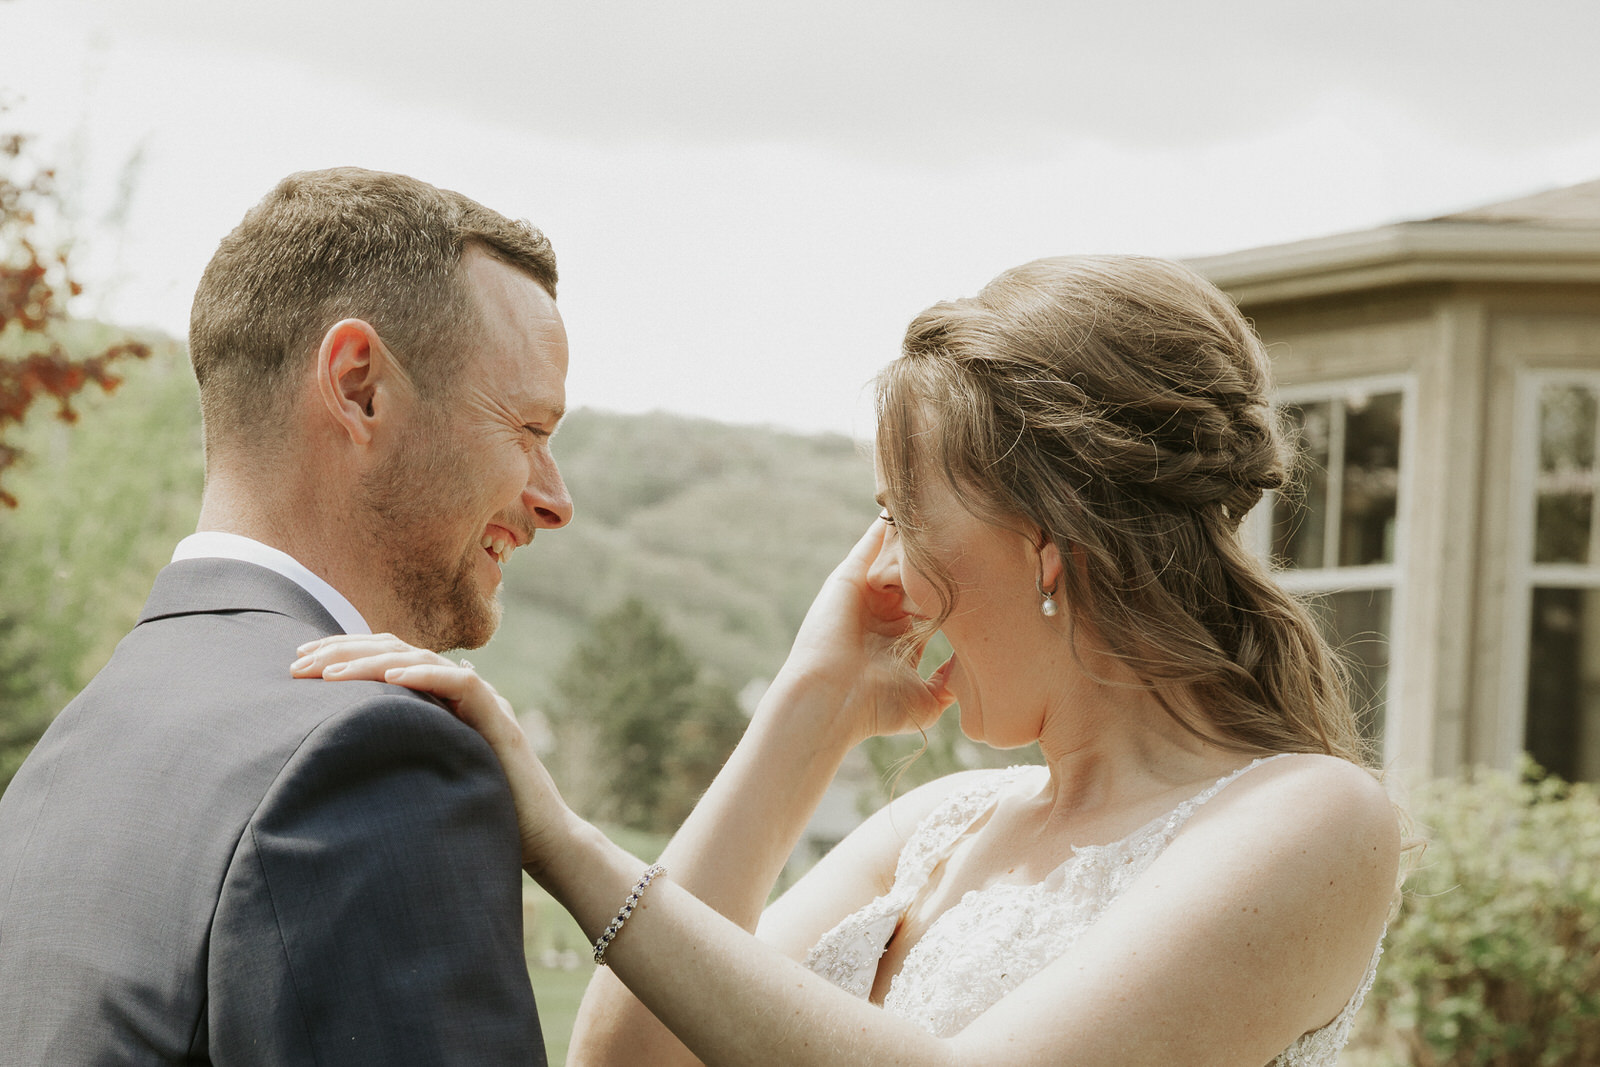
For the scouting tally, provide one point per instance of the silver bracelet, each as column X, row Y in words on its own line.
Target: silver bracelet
column 610, row 933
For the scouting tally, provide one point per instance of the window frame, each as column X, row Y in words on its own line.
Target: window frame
column 1313, row 581
column 1523, row 574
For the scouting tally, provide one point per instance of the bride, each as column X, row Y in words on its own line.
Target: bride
column 1202, row 870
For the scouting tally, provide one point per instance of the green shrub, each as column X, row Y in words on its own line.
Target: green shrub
column 1495, row 956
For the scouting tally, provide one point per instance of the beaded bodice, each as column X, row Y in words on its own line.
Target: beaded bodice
column 993, row 939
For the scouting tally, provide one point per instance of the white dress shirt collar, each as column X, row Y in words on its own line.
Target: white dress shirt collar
column 211, row 544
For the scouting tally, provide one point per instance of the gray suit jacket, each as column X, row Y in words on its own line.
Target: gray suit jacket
column 206, row 861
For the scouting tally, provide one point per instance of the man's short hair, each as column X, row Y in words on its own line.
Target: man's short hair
column 334, row 244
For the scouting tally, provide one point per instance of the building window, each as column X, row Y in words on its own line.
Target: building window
column 1561, row 728
column 1334, row 538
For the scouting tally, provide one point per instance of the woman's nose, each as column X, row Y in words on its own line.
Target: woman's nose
column 884, row 570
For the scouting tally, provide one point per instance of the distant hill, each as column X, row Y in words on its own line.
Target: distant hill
column 727, row 530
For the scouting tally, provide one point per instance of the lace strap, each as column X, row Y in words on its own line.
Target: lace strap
column 1174, row 820
column 945, row 825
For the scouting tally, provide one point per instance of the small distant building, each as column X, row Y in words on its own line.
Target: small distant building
column 1445, row 378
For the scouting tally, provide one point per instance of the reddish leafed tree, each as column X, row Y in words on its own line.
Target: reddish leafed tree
column 35, row 284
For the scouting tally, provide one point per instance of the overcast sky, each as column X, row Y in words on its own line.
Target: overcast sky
column 750, row 200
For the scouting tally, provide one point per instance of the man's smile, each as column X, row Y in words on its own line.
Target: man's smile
column 500, row 542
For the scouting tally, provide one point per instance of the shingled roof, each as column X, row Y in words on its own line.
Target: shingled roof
column 1553, row 236
column 1575, row 205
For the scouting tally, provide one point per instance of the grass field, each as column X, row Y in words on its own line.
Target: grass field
column 550, row 935
column 558, row 993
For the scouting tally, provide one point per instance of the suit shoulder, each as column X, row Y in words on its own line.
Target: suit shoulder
column 375, row 724
column 390, row 771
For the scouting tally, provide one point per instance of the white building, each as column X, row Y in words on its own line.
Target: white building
column 1445, row 374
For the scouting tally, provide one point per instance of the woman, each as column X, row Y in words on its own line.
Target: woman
column 1201, row 872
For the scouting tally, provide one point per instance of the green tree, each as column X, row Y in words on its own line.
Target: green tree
column 22, row 679
column 652, row 727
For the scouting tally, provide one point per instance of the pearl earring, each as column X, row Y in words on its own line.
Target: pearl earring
column 1049, row 608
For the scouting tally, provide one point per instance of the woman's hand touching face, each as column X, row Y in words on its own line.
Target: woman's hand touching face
column 858, row 641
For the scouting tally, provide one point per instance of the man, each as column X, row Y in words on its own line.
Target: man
column 206, row 861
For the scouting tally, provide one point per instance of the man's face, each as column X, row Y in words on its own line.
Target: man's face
column 472, row 478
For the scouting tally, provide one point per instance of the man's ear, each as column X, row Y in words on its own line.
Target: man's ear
column 353, row 367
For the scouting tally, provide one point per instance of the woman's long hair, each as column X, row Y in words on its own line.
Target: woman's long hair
column 1120, row 405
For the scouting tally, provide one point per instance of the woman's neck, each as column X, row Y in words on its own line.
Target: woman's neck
column 1110, row 742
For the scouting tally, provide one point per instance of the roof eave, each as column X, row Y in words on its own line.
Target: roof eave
column 1407, row 254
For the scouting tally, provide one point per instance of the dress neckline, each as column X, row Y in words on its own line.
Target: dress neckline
column 1181, row 811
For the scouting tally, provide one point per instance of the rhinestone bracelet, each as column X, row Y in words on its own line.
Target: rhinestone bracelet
column 605, row 939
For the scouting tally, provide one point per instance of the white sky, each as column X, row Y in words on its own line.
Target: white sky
column 749, row 200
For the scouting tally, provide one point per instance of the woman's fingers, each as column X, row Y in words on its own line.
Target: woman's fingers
column 474, row 700
column 346, row 650
column 370, row 667
column 384, row 658
column 866, row 548
column 368, row 642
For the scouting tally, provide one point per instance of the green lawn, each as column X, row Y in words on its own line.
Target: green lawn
column 558, row 993
column 551, row 938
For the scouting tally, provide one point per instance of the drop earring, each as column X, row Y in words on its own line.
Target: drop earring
column 1049, row 607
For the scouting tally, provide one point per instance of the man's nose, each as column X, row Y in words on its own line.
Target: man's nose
column 546, row 496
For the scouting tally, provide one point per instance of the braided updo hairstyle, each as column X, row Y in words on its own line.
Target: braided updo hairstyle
column 1120, row 405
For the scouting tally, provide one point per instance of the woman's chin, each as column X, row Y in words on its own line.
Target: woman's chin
column 971, row 722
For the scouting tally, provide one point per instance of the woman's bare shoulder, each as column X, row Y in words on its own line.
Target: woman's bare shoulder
column 1307, row 808
column 1313, row 788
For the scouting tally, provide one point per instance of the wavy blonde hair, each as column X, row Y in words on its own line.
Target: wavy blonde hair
column 1119, row 404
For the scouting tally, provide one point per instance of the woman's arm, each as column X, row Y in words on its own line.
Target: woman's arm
column 728, row 853
column 613, row 1026
column 1255, row 926
column 847, row 678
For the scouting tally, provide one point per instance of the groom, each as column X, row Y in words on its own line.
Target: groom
column 204, row 861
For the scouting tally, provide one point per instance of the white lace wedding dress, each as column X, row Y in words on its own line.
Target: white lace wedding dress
column 993, row 939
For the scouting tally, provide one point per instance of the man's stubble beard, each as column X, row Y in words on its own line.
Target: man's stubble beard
column 433, row 582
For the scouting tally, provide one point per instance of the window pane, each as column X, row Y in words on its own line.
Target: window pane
column 1371, row 479
column 1566, row 428
column 1299, row 516
column 1565, row 488
column 1561, row 528
column 1563, row 726
column 1356, row 622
